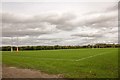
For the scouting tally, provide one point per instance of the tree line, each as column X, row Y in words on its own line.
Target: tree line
column 8, row 48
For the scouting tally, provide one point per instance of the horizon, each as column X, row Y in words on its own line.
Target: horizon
column 60, row 45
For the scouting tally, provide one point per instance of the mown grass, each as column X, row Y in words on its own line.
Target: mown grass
column 64, row 62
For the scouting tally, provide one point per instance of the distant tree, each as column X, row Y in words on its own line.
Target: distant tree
column 100, row 45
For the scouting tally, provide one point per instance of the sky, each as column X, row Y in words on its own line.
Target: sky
column 59, row 23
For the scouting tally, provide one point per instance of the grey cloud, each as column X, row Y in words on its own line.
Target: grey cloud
column 99, row 19
column 94, row 20
column 98, row 34
column 102, row 35
column 87, row 35
column 55, row 18
column 12, row 18
column 61, row 21
column 16, row 25
column 41, row 41
column 52, row 19
column 113, row 8
column 23, row 33
column 23, row 29
column 107, row 18
column 65, row 21
column 44, row 24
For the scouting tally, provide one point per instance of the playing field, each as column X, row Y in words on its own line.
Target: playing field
column 72, row 63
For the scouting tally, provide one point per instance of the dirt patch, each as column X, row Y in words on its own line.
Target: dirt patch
column 13, row 72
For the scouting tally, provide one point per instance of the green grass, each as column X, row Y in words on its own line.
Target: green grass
column 64, row 62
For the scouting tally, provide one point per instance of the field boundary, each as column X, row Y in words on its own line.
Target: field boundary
column 90, row 56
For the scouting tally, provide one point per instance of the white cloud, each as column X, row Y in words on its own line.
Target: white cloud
column 64, row 27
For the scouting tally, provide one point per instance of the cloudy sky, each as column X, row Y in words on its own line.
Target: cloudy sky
column 59, row 23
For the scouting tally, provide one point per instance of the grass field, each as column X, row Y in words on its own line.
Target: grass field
column 72, row 63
